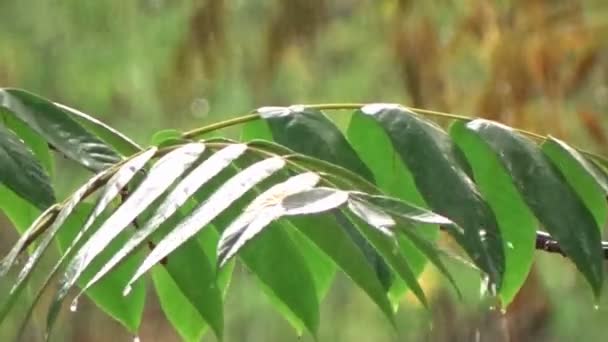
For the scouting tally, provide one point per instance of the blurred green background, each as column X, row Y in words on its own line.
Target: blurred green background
column 147, row 65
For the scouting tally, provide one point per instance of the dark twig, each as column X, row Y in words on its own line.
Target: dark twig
column 544, row 242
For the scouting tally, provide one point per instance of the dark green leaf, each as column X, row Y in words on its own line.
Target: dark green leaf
column 590, row 186
column 59, row 129
column 116, row 139
column 333, row 239
column 376, row 150
column 439, row 173
column 553, row 201
column 21, row 172
column 517, row 223
column 33, row 140
column 311, row 133
column 388, row 246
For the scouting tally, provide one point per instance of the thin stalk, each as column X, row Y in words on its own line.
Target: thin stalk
column 351, row 106
column 219, row 125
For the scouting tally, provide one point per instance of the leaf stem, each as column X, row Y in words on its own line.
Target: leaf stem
column 352, row 106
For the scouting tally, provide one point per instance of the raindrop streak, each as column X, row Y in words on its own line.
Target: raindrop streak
column 127, row 290
column 74, row 305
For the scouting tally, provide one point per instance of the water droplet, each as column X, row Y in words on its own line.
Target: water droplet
column 483, row 288
column 74, row 305
column 503, row 311
column 136, row 339
column 127, row 290
column 510, row 245
column 482, row 233
column 200, row 107
column 596, row 307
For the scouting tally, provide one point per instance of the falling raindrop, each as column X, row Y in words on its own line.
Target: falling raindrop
column 510, row 245
column 74, row 305
column 596, row 307
column 127, row 290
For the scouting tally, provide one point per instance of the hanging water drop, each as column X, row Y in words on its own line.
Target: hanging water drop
column 503, row 311
column 136, row 339
column 74, row 305
column 510, row 245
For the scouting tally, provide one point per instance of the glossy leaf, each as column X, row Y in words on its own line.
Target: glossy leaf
column 212, row 207
column 160, row 177
column 311, row 133
column 333, row 239
column 176, row 198
column 22, row 173
column 59, row 129
column 112, row 188
column 33, row 140
column 439, row 172
column 388, row 247
column 120, row 142
column 495, row 184
column 128, row 311
column 267, row 207
column 376, row 150
column 581, row 176
column 553, row 201
column 58, row 216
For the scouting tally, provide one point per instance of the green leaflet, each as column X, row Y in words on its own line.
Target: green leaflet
column 581, row 175
column 113, row 186
column 33, row 140
column 127, row 310
column 280, row 279
column 206, row 301
column 388, row 247
column 178, row 309
column 161, row 176
column 436, row 165
column 59, row 129
column 411, row 220
column 22, row 173
column 332, row 239
column 267, row 207
column 517, row 223
column 166, row 137
column 309, row 132
column 376, row 150
column 553, row 201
